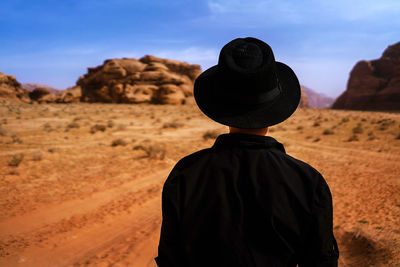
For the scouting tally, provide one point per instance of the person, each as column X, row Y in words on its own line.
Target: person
column 244, row 202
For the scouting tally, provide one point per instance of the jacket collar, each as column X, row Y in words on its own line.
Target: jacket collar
column 247, row 140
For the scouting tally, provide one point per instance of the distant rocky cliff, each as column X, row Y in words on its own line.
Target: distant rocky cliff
column 375, row 84
column 146, row 80
column 317, row 100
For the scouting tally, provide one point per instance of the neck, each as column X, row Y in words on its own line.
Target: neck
column 262, row 131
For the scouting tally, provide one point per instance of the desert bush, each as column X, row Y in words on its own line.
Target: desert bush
column 16, row 139
column 385, row 123
column 352, row 138
column 3, row 132
column 317, row 139
column 173, row 125
column 300, row 128
column 121, row 127
column 211, row 134
column 119, row 142
column 110, row 124
column 345, row 120
column 152, row 150
column 358, row 129
column 16, row 160
column 47, row 127
column 97, row 127
column 73, row 125
column 37, row 156
column 79, row 118
column 316, row 124
column 383, row 126
column 398, row 136
column 328, row 132
column 53, row 149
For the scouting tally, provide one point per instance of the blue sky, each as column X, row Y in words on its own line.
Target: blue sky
column 53, row 42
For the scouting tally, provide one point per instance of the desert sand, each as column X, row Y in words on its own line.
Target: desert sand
column 80, row 184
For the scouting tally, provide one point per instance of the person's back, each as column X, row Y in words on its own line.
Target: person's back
column 244, row 202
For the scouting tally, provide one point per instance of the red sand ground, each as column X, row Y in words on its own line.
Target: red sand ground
column 74, row 199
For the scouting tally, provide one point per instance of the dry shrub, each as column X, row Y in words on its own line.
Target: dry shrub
column 316, row 124
column 371, row 136
column 47, row 127
column 300, row 128
column 16, row 160
column 3, row 132
column 353, row 138
column 345, row 120
column 328, row 132
column 73, row 125
column 79, row 118
column 358, row 129
column 385, row 123
column 317, row 139
column 53, row 149
column 119, row 142
column 152, row 150
column 173, row 125
column 97, row 127
column 121, row 127
column 110, row 124
column 398, row 136
column 16, row 139
column 38, row 156
column 211, row 134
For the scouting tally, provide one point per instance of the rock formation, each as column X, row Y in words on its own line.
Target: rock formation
column 375, row 84
column 317, row 100
column 11, row 90
column 146, row 80
column 71, row 95
column 42, row 95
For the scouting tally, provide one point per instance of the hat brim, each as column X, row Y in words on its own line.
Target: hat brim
column 246, row 116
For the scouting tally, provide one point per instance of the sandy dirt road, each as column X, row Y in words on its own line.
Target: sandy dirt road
column 97, row 230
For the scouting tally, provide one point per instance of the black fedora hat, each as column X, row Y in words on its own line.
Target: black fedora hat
column 248, row 88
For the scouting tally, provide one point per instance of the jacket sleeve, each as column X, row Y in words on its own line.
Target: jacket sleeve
column 168, row 248
column 321, row 249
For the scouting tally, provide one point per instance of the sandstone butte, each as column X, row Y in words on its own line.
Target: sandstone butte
column 11, row 90
column 146, row 80
column 128, row 80
column 374, row 84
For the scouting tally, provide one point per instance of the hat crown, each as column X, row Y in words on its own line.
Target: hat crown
column 247, row 55
column 247, row 61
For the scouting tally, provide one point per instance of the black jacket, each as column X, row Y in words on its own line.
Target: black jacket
column 242, row 203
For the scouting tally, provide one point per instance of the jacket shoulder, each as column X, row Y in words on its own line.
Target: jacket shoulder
column 192, row 159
